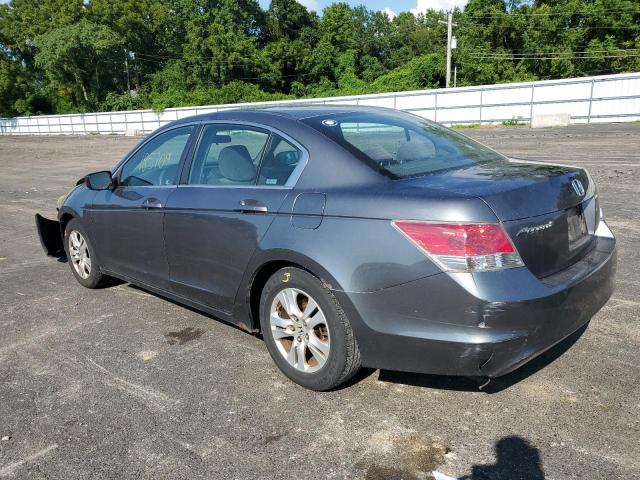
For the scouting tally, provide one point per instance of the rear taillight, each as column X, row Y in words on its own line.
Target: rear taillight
column 463, row 247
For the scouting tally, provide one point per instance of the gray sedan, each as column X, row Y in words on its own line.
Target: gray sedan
column 348, row 237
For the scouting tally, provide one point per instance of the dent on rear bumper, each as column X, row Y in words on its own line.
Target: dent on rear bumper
column 478, row 324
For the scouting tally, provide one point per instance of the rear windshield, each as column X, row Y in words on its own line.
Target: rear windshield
column 400, row 145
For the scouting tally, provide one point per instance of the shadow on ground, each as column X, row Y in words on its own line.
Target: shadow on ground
column 442, row 382
column 516, row 458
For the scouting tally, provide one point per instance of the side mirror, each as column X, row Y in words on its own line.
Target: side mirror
column 99, row 180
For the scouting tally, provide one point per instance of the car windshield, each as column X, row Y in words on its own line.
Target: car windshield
column 400, row 145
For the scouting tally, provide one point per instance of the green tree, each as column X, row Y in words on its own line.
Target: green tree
column 82, row 60
column 285, row 19
column 68, row 55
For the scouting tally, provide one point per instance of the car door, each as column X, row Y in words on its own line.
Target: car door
column 237, row 180
column 127, row 221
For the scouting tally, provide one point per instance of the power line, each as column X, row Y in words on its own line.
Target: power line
column 549, row 14
column 561, row 27
column 494, row 57
column 161, row 58
column 262, row 79
column 588, row 52
column 528, row 51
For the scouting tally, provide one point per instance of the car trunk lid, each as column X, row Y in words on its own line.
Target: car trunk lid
column 548, row 210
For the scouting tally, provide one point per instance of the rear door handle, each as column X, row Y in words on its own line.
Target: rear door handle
column 250, row 205
column 151, row 203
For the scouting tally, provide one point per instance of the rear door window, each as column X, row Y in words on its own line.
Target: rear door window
column 279, row 162
column 228, row 155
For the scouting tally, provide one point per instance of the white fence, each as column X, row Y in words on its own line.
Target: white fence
column 608, row 98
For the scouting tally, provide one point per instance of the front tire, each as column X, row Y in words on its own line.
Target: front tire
column 306, row 331
column 81, row 258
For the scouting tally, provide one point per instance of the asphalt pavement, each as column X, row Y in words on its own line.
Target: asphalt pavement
column 119, row 383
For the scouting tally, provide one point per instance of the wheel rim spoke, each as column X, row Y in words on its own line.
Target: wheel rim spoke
column 279, row 333
column 310, row 309
column 75, row 239
column 289, row 301
column 318, row 348
column 316, row 320
column 291, row 354
column 301, row 353
column 278, row 321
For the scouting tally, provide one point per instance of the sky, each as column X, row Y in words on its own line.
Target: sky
column 392, row 7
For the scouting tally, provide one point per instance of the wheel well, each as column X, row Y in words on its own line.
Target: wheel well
column 66, row 218
column 258, row 283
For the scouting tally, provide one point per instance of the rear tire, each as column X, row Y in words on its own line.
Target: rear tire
column 81, row 258
column 306, row 331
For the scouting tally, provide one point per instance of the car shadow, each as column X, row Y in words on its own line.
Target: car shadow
column 441, row 382
column 496, row 385
column 190, row 308
column 515, row 458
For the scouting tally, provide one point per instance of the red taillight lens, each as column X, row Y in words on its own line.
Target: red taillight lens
column 460, row 240
column 463, row 247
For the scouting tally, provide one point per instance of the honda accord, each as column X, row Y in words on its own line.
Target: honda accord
column 348, row 237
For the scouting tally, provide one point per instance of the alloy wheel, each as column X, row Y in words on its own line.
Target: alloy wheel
column 299, row 329
column 79, row 253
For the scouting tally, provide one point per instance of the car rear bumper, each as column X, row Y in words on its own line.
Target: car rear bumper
column 483, row 324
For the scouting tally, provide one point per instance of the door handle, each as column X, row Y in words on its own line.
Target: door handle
column 151, row 203
column 252, row 206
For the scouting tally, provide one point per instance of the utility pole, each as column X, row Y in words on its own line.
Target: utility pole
column 126, row 68
column 450, row 26
column 449, row 35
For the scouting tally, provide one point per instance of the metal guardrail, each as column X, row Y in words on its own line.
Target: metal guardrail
column 439, row 104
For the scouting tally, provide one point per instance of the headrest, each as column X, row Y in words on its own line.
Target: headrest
column 414, row 151
column 288, row 157
column 235, row 164
column 219, row 139
column 378, row 153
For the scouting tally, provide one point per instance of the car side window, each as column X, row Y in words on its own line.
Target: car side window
column 157, row 162
column 279, row 162
column 228, row 155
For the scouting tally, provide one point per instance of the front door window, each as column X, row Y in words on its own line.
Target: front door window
column 157, row 162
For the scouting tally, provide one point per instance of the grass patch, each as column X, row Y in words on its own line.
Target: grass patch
column 514, row 122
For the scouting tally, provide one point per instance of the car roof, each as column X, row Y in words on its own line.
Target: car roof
column 291, row 111
column 288, row 120
column 301, row 112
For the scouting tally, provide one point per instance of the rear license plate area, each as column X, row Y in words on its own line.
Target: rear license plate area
column 576, row 228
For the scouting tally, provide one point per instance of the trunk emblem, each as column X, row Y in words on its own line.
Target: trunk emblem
column 577, row 187
column 535, row 228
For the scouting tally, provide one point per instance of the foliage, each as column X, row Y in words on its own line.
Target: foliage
column 69, row 55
